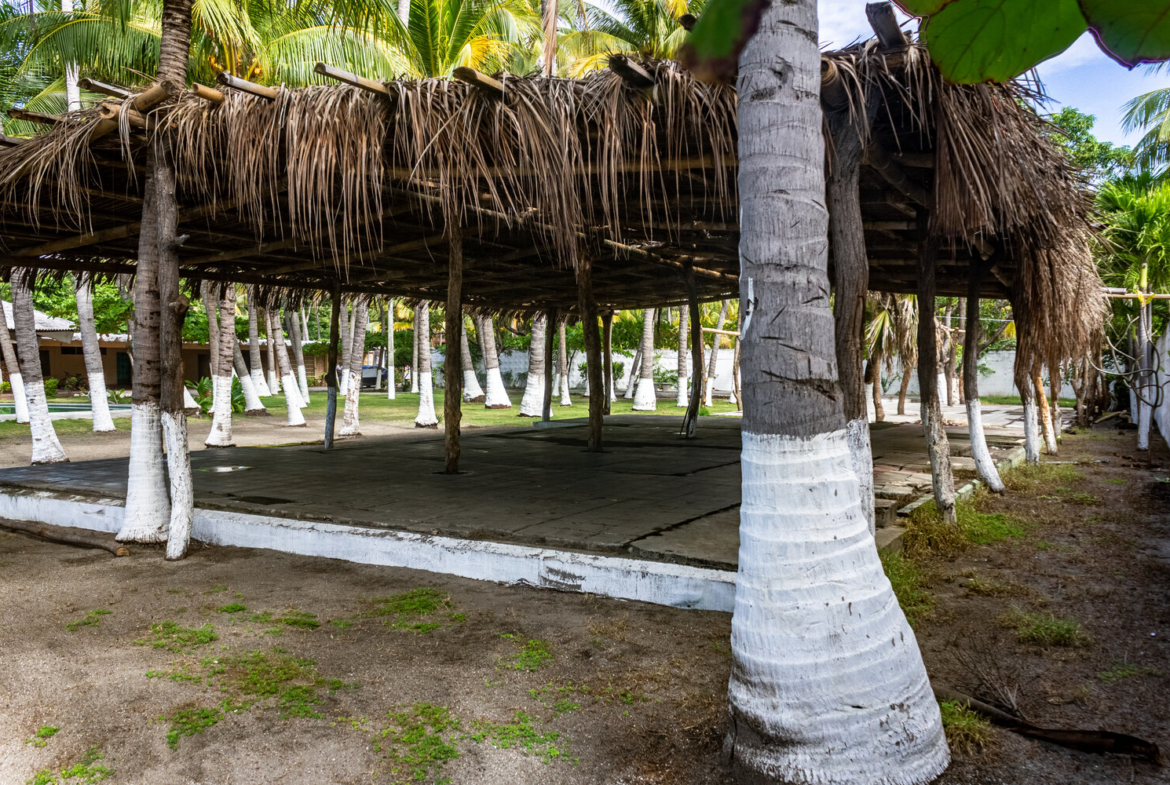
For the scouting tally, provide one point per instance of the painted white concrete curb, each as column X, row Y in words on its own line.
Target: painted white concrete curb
column 675, row 585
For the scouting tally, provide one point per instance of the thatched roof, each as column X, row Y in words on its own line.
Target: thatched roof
column 343, row 183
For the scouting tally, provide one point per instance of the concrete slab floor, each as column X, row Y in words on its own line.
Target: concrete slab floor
column 652, row 494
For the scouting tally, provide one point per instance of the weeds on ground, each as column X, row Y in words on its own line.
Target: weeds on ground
column 300, row 620
column 175, row 637
column 419, row 610
column 906, row 581
column 188, row 722
column 927, row 534
column 1040, row 476
column 1125, row 670
column 966, row 731
column 42, row 736
column 533, row 656
column 235, row 607
column 983, row 587
column 87, row 771
column 1044, row 629
column 418, row 742
column 92, row 619
column 521, row 734
column 557, row 699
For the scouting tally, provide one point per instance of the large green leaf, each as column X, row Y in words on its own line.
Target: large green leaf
column 921, row 7
column 724, row 28
column 995, row 40
column 1130, row 31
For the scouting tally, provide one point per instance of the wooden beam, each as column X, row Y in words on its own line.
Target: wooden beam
column 94, row 86
column 206, row 93
column 345, row 77
column 111, row 112
column 631, row 72
column 885, row 27
column 880, row 161
column 889, row 226
column 486, row 84
column 243, row 85
column 10, row 141
column 34, row 117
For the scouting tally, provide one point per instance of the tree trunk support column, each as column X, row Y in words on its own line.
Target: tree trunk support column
column 549, row 333
column 984, row 465
column 598, row 392
column 331, row 371
column 453, row 361
column 932, row 420
column 690, row 419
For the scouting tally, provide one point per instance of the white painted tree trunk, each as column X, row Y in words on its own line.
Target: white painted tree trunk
column 635, row 372
column 148, row 507
column 426, row 398
column 220, row 434
column 189, row 402
column 683, row 359
column 415, row 355
column 861, row 457
column 274, row 381
column 391, row 385
column 99, row 403
column 292, row 398
column 15, row 379
column 221, row 413
column 298, row 343
column 497, row 394
column 1031, row 433
column 45, row 446
column 472, row 392
column 645, row 398
column 350, row 423
column 713, row 365
column 252, row 403
column 532, row 404
column 984, row 465
column 181, row 485
column 563, row 366
column 346, row 346
column 255, row 363
column 827, row 683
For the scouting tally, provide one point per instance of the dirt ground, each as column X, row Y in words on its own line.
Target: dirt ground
column 327, row 672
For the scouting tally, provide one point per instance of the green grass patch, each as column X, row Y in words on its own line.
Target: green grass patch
column 175, row 637
column 520, row 734
column 341, row 624
column 928, row 534
column 984, row 587
column 42, row 736
column 418, row 742
column 906, row 580
column 91, row 619
column 418, row 610
column 533, row 656
column 1125, row 670
column 188, row 722
column 966, row 730
column 219, row 588
column 235, row 607
column 1014, row 400
column 1044, row 629
column 87, row 771
column 1040, row 477
column 1116, row 480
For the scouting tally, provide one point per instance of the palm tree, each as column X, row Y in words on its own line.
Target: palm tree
column 684, row 362
column 649, row 28
column 15, row 378
column 532, row 404
column 472, row 392
column 361, row 319
column 645, row 399
column 221, row 369
column 294, row 333
column 713, row 367
column 45, row 446
column 426, row 400
column 497, row 394
column 391, row 386
column 288, row 380
column 441, row 35
column 1150, row 112
column 256, row 370
column 827, row 684
column 563, row 365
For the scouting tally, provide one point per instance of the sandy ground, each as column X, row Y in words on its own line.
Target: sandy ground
column 432, row 683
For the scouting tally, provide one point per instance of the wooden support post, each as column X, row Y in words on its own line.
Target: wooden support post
column 690, row 419
column 607, row 338
column 549, row 333
column 331, row 371
column 453, row 364
column 597, row 392
column 932, row 424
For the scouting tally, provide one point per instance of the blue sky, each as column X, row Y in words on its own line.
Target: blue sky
column 1082, row 76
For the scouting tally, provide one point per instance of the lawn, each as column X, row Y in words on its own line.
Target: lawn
column 1014, row 400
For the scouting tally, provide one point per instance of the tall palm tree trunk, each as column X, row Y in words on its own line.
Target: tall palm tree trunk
column 254, row 361
column 221, row 402
column 713, row 368
column 610, row 381
column 563, row 365
column 146, row 516
column 930, row 408
column 683, row 360
column 253, row 406
column 350, row 425
column 1045, row 414
column 414, row 355
column 904, row 388
column 272, row 335
column 635, row 371
column 277, row 347
column 497, row 394
column 294, row 333
column 45, row 446
column 827, row 683
column 211, row 308
column 532, row 404
column 346, row 347
column 99, row 403
column 984, row 465
column 472, row 392
column 426, row 400
column 645, row 398
column 391, row 385
column 15, row 377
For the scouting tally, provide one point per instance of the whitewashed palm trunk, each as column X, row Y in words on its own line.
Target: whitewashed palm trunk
column 220, row 434
column 272, row 336
column 15, row 378
column 497, row 394
column 211, row 308
column 350, row 424
column 292, row 397
column 182, row 488
column 391, row 385
column 635, row 371
column 45, row 446
column 294, row 320
column 414, row 370
column 252, row 404
column 190, row 405
column 827, row 683
column 645, row 398
column 532, row 404
column 683, row 359
column 713, row 365
column 563, row 366
column 99, row 402
column 472, row 392
column 426, row 399
column 346, row 345
column 256, row 371
column 1031, row 432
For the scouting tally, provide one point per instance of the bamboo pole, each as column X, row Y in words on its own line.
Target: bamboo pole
column 94, row 86
column 487, row 84
column 345, row 77
column 207, row 93
column 243, row 85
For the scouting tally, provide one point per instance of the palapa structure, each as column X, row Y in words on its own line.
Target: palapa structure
column 574, row 196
